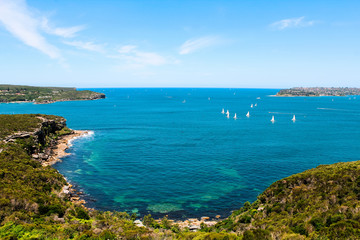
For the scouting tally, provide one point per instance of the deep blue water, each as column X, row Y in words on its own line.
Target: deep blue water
column 151, row 152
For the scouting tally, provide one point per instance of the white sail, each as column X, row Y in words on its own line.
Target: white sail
column 252, row 106
column 248, row 114
column 222, row 111
column 258, row 98
column 272, row 119
column 235, row 116
column 227, row 112
column 255, row 104
column 293, row 119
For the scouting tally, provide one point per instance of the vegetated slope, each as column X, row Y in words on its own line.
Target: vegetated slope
column 34, row 205
column 321, row 203
column 13, row 93
column 318, row 91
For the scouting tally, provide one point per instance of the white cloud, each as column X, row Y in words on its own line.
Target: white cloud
column 193, row 45
column 90, row 46
column 135, row 58
column 292, row 23
column 62, row 32
column 18, row 20
column 127, row 49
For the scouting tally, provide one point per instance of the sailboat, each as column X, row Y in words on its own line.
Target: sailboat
column 293, row 119
column 227, row 114
column 255, row 104
column 222, row 111
column 272, row 119
column 235, row 116
column 252, row 106
column 258, row 98
column 248, row 114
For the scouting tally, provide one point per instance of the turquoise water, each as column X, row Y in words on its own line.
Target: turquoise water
column 153, row 152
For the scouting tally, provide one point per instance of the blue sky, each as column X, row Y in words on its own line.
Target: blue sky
column 242, row 43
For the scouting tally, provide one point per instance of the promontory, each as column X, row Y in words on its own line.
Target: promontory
column 318, row 91
column 41, row 95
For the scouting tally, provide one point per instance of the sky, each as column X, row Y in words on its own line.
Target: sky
column 180, row 43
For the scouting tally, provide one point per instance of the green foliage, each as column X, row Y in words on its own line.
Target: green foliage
column 81, row 213
column 321, row 203
column 15, row 93
column 150, row 222
column 64, row 131
column 207, row 236
column 165, row 223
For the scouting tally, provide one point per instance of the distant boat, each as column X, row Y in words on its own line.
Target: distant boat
column 293, row 119
column 255, row 104
column 258, row 98
column 227, row 112
column 184, row 101
column 222, row 111
column 235, row 116
column 272, row 119
column 248, row 114
column 251, row 106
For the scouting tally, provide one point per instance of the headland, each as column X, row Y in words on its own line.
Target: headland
column 318, row 92
column 44, row 95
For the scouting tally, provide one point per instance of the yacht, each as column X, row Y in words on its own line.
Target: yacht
column 272, row 119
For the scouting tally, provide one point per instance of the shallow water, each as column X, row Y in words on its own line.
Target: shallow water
column 153, row 152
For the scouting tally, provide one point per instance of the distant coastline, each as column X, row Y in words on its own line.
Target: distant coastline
column 44, row 95
column 318, row 92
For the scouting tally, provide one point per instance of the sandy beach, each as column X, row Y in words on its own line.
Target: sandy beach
column 62, row 144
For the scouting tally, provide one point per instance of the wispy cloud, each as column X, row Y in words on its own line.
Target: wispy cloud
column 18, row 20
column 68, row 32
column 90, row 46
column 127, row 48
column 193, row 45
column 292, row 23
column 135, row 58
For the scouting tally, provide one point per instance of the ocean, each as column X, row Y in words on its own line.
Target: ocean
column 172, row 152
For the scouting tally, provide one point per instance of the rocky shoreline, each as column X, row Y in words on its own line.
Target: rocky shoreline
column 58, row 151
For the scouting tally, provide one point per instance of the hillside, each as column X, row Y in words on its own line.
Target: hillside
column 17, row 93
column 321, row 203
column 318, row 91
column 35, row 201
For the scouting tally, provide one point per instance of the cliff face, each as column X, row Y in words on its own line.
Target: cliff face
column 39, row 140
column 46, row 127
